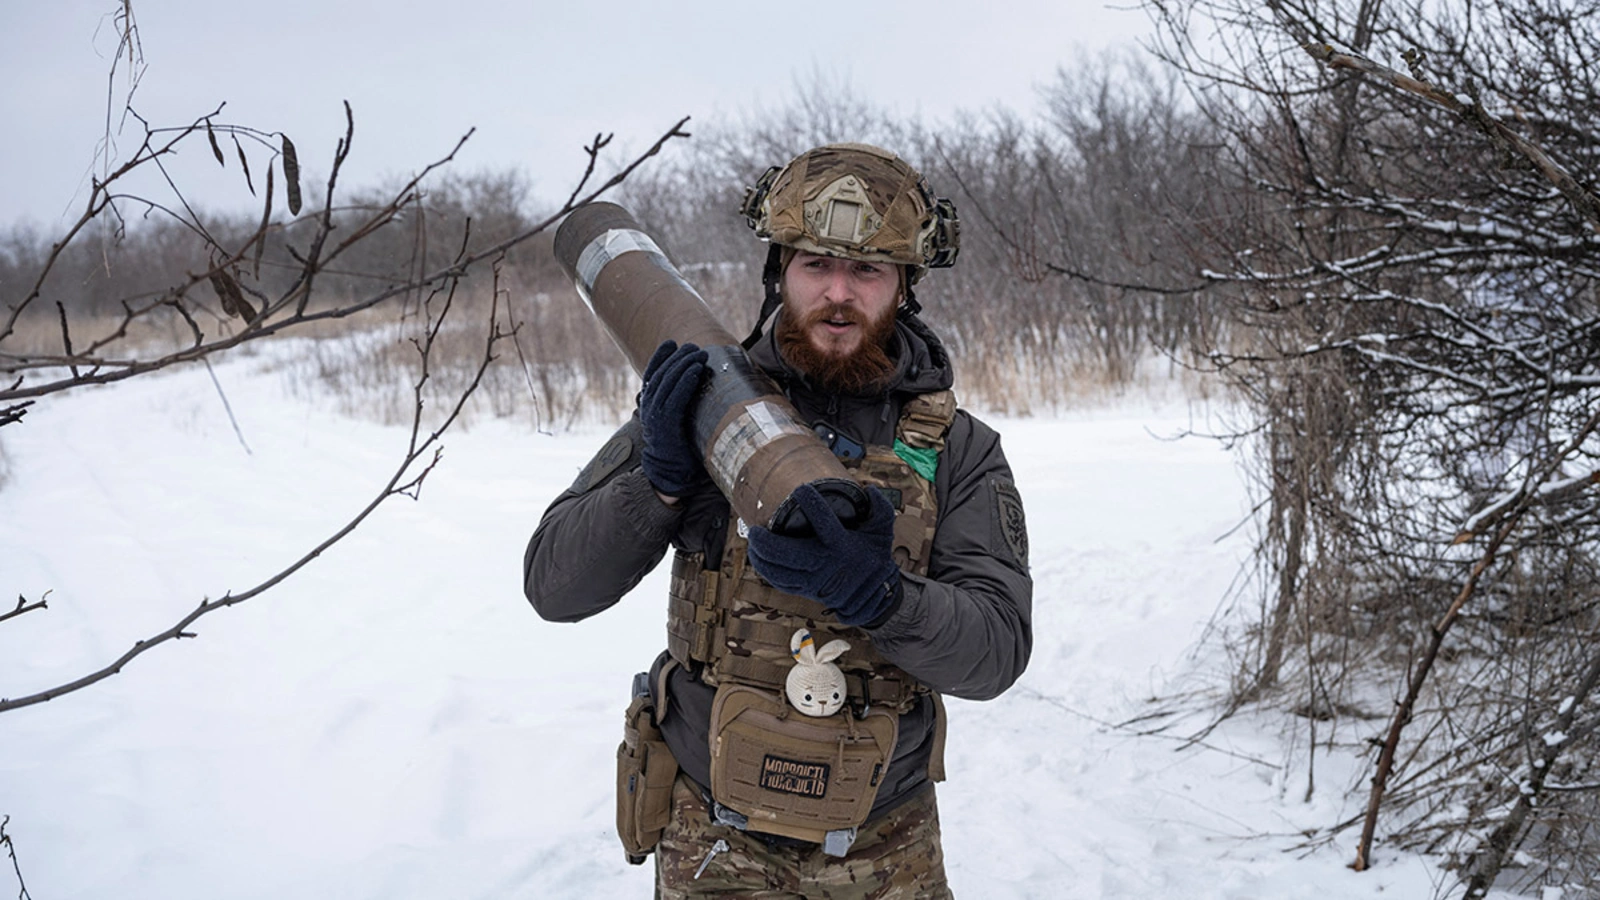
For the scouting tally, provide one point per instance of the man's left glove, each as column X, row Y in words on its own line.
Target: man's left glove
column 671, row 380
column 850, row 571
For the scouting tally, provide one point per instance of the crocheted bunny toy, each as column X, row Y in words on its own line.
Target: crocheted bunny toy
column 815, row 685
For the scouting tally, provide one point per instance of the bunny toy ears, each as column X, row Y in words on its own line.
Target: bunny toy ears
column 815, row 685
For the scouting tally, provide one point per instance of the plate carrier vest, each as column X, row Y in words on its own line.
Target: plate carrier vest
column 735, row 627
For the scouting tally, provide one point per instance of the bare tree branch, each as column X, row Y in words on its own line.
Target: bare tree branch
column 406, row 480
column 1471, row 110
column 273, row 319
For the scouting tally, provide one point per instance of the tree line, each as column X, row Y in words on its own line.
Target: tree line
column 1115, row 136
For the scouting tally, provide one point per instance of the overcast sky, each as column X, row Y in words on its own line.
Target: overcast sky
column 536, row 78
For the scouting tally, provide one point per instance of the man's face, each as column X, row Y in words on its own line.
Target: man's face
column 839, row 305
column 837, row 317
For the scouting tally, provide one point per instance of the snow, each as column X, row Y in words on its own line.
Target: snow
column 1561, row 485
column 395, row 721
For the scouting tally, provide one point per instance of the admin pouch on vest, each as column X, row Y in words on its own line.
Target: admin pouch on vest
column 797, row 775
column 734, row 629
column 645, row 772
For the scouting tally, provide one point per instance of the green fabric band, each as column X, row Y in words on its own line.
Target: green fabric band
column 924, row 460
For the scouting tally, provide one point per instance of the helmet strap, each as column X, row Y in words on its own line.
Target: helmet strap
column 771, row 276
column 908, row 307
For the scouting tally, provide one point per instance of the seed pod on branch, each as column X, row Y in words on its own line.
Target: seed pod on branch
column 291, row 176
column 216, row 149
column 261, row 230
column 245, row 164
column 233, row 302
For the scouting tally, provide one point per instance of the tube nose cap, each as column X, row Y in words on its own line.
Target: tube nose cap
column 847, row 499
column 583, row 225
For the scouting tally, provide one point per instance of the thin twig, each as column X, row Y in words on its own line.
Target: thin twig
column 11, row 851
column 1490, row 857
column 227, row 406
column 14, row 412
column 23, row 606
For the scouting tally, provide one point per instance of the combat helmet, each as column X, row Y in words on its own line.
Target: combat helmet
column 853, row 201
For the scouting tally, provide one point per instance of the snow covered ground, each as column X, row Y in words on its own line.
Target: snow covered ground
column 396, row 722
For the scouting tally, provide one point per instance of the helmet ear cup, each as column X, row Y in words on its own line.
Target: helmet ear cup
column 755, row 200
column 944, row 240
column 941, row 239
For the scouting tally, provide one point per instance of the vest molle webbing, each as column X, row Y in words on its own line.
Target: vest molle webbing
column 737, row 627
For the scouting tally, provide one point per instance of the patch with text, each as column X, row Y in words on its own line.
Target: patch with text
column 1010, row 522
column 790, row 776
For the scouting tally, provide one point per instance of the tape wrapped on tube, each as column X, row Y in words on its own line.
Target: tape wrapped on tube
column 751, row 440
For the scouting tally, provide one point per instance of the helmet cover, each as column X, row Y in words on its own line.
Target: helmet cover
column 855, row 201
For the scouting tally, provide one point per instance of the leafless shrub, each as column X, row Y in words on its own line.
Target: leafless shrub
column 1413, row 281
column 141, row 283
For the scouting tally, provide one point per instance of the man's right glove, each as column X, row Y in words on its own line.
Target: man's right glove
column 850, row 571
column 669, row 458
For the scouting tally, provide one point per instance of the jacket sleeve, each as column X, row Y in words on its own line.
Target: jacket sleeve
column 967, row 628
column 600, row 536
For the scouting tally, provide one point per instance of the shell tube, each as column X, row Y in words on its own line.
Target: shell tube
column 752, row 441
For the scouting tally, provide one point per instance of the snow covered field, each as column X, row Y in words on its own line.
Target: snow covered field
column 396, row 722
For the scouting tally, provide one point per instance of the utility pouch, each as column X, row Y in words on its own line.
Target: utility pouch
column 796, row 775
column 646, row 770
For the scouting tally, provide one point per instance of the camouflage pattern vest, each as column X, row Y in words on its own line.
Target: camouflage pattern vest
column 736, row 627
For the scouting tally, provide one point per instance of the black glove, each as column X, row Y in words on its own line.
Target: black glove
column 669, row 458
column 851, row 572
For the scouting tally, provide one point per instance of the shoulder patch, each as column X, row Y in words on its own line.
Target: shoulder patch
column 617, row 451
column 1010, row 525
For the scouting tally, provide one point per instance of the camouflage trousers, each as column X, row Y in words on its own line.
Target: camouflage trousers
column 895, row 857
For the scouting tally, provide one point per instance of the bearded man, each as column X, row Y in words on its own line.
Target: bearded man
column 861, row 626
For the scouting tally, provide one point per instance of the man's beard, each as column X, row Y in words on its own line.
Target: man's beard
column 863, row 371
